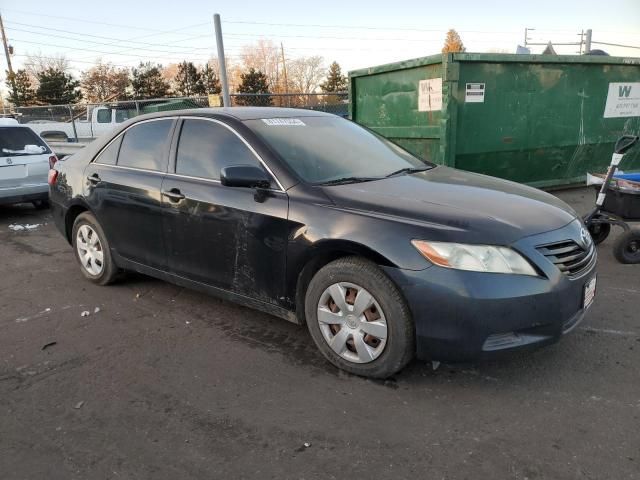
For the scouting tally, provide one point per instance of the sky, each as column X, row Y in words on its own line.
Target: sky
column 356, row 34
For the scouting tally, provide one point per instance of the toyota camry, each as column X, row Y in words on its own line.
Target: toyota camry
column 384, row 256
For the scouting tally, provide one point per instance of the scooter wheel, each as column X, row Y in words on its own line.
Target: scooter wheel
column 599, row 232
column 627, row 247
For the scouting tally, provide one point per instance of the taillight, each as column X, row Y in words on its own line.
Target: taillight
column 53, row 176
column 52, row 161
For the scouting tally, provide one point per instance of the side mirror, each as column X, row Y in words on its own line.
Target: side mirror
column 247, row 176
column 624, row 143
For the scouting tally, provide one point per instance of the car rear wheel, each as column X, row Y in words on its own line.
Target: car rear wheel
column 92, row 250
column 359, row 319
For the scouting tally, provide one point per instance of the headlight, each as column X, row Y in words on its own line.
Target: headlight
column 476, row 258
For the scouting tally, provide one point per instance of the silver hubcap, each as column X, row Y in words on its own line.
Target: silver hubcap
column 90, row 250
column 352, row 322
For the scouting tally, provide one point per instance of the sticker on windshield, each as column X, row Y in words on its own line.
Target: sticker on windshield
column 284, row 122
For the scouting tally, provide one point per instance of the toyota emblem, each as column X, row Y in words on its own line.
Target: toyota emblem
column 9, row 161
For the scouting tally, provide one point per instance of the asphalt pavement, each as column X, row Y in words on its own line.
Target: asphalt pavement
column 146, row 380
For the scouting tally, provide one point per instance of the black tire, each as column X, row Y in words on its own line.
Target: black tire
column 399, row 348
column 599, row 232
column 41, row 204
column 627, row 247
column 109, row 270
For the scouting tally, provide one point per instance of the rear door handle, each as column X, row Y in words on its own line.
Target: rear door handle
column 174, row 195
column 94, row 178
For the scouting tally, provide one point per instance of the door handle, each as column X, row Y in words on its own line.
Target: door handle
column 94, row 179
column 174, row 195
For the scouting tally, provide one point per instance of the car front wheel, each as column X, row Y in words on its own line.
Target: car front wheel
column 92, row 250
column 359, row 319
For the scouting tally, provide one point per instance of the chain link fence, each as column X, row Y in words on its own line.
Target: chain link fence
column 84, row 122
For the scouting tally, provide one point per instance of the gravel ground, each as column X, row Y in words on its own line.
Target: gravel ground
column 160, row 382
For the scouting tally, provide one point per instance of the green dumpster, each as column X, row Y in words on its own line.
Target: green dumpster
column 544, row 120
column 164, row 106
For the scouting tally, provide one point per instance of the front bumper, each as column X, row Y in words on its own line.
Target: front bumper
column 461, row 315
column 24, row 193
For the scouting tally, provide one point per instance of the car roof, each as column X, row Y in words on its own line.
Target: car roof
column 239, row 113
column 9, row 122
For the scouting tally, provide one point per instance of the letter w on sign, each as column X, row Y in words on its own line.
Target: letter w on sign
column 624, row 90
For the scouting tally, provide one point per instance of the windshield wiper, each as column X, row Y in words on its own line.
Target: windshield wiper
column 408, row 170
column 344, row 180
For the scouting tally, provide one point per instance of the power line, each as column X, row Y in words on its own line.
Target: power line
column 615, row 45
column 57, row 58
column 229, row 34
column 74, row 19
column 404, row 29
column 49, row 29
column 102, row 43
column 67, row 47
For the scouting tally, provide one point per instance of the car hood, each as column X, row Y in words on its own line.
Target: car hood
column 456, row 205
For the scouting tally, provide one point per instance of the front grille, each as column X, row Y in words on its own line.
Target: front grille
column 568, row 256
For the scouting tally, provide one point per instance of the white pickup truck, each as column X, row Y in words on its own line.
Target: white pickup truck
column 98, row 120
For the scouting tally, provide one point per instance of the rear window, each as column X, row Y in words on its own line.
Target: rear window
column 16, row 141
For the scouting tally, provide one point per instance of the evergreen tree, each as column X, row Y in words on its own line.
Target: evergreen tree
column 453, row 43
column 57, row 87
column 254, row 82
column 188, row 80
column 210, row 80
column 21, row 92
column 147, row 81
column 336, row 82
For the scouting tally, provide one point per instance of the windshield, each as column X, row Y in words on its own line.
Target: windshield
column 331, row 149
column 17, row 141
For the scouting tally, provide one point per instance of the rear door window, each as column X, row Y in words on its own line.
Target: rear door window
column 16, row 141
column 205, row 147
column 144, row 145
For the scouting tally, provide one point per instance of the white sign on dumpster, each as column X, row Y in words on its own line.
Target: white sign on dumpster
column 474, row 93
column 430, row 95
column 623, row 100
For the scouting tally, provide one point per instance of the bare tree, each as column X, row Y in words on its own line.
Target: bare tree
column 305, row 73
column 234, row 72
column 169, row 73
column 104, row 82
column 38, row 62
column 263, row 56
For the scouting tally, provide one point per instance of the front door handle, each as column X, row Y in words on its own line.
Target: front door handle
column 94, row 179
column 174, row 195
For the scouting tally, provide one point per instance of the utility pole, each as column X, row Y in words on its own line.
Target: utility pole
column 284, row 71
column 581, row 41
column 587, row 42
column 12, row 77
column 526, row 36
column 226, row 99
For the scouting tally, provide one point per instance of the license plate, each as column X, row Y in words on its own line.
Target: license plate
column 589, row 293
column 12, row 171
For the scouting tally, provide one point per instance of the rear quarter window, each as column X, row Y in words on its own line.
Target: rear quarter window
column 109, row 156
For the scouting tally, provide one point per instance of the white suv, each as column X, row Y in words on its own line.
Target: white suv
column 25, row 160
